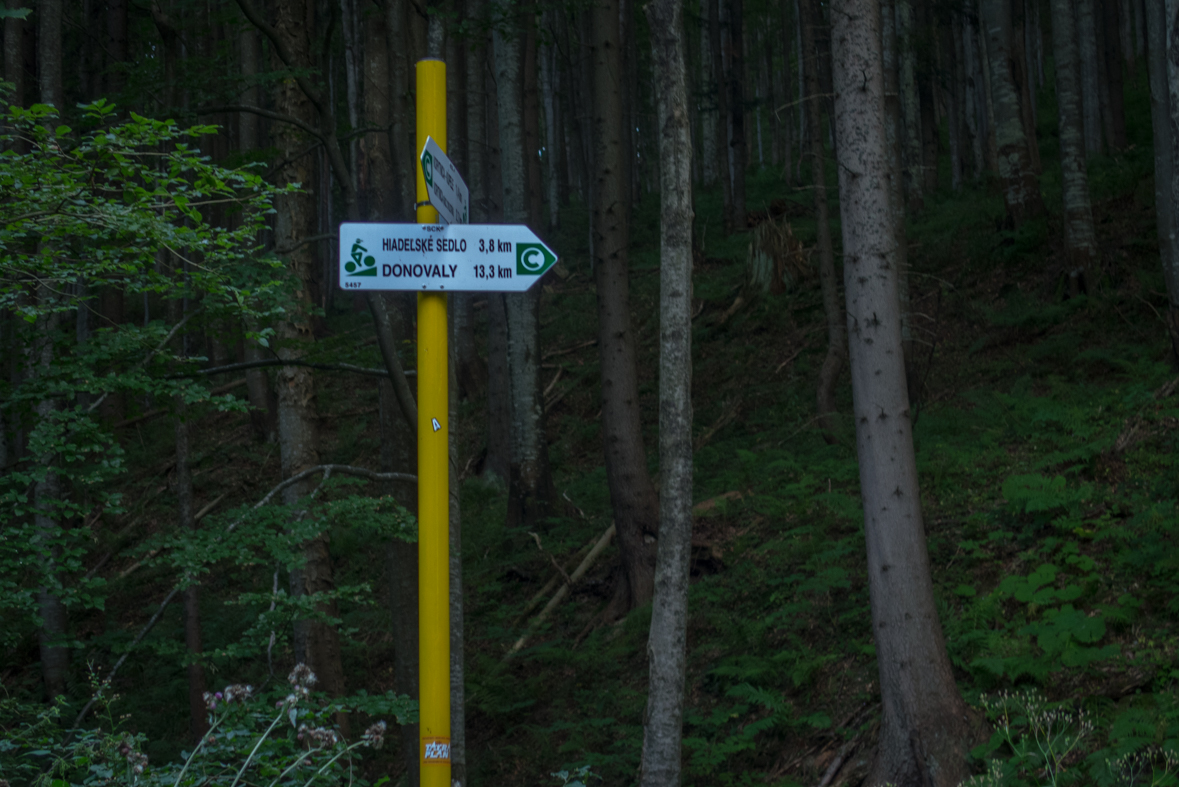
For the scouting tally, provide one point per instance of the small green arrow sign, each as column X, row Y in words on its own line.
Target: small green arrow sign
column 533, row 259
column 428, row 167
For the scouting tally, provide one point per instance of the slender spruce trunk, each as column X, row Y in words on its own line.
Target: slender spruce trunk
column 785, row 11
column 1168, row 50
column 667, row 642
column 632, row 495
column 926, row 732
column 910, row 105
column 1090, row 97
column 530, row 483
column 836, row 338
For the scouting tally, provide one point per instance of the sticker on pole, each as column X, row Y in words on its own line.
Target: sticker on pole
column 447, row 191
column 435, row 751
column 433, row 257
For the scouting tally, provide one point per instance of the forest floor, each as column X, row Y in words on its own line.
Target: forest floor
column 1046, row 432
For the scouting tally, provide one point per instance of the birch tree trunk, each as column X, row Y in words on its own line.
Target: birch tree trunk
column 666, row 644
column 632, row 496
column 925, row 729
column 1021, row 191
column 1080, row 243
column 809, row 14
column 529, row 483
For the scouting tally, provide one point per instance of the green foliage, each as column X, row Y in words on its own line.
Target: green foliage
column 285, row 736
column 122, row 205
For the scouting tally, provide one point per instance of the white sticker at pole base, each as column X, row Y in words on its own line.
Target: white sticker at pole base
column 433, row 257
column 448, row 192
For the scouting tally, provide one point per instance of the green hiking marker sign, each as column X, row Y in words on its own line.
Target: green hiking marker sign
column 445, row 187
column 360, row 265
column 533, row 259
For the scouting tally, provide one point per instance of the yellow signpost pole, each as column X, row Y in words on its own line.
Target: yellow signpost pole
column 433, row 470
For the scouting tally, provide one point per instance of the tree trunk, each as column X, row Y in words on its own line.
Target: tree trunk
column 737, row 110
column 1171, row 48
column 896, row 179
column 1079, row 240
column 49, row 59
column 666, row 644
column 836, row 338
column 986, row 95
column 531, row 97
column 529, row 483
column 14, row 62
column 966, row 42
column 1115, row 117
column 55, row 654
column 401, row 130
column 720, row 82
column 316, row 643
column 399, row 455
column 632, row 496
column 1024, row 84
column 1090, row 100
column 925, row 730
column 910, row 105
column 787, row 94
column 549, row 100
column 1021, row 191
column 198, row 723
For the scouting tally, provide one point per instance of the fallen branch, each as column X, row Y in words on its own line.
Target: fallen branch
column 563, row 591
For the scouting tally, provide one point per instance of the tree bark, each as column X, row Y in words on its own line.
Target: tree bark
column 1090, row 99
column 1115, row 117
column 316, row 643
column 1021, row 191
column 632, row 495
column 666, row 644
column 737, row 110
column 787, row 125
column 836, row 338
column 1080, row 242
column 14, row 61
column 55, row 654
column 1170, row 46
column 910, row 106
column 49, row 59
column 198, row 723
column 926, row 728
column 896, row 179
column 399, row 455
column 529, row 483
column 721, row 133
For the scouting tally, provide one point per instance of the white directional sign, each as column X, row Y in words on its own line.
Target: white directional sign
column 448, row 193
column 455, row 257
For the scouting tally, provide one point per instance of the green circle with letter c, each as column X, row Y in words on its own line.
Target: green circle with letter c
column 428, row 168
column 533, row 259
